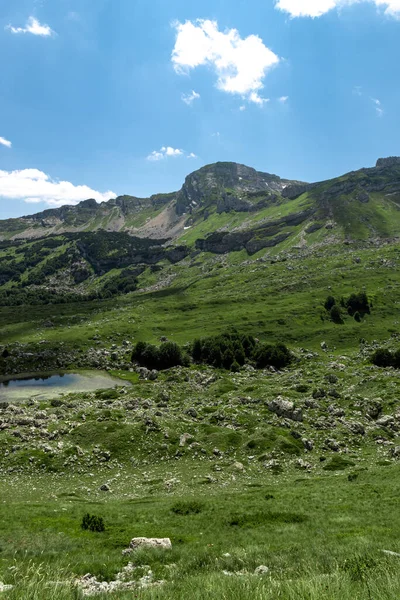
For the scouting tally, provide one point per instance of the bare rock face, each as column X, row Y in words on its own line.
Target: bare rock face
column 391, row 161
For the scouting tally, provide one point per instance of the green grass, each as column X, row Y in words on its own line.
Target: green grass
column 317, row 536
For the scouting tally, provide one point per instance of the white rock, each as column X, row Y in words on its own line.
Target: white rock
column 261, row 570
column 142, row 542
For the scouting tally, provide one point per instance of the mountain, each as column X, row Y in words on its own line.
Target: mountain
column 224, row 186
column 93, row 250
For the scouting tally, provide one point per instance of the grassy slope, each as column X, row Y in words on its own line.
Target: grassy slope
column 280, row 301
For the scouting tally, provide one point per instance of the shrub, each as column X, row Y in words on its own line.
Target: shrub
column 358, row 303
column 223, row 350
column 277, row 356
column 336, row 315
column 191, row 507
column 383, row 358
column 168, row 355
column 92, row 523
column 329, row 303
column 357, row 317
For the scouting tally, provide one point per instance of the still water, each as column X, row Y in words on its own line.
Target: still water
column 51, row 386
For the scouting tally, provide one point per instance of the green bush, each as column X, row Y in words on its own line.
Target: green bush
column 329, row 303
column 383, row 358
column 166, row 356
column 358, row 303
column 92, row 523
column 190, row 507
column 336, row 315
column 277, row 356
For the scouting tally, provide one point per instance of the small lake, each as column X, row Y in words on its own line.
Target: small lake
column 51, row 386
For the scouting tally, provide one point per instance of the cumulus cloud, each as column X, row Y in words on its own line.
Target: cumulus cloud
column 190, row 98
column 283, row 99
column 241, row 64
column 34, row 186
column 34, row 27
column 317, row 8
column 164, row 152
column 168, row 152
column 4, row 142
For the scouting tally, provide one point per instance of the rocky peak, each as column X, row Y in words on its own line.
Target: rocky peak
column 391, row 161
column 212, row 182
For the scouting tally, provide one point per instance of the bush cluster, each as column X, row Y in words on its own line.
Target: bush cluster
column 228, row 351
column 231, row 350
column 385, row 358
column 93, row 523
column 225, row 351
column 357, row 305
column 166, row 356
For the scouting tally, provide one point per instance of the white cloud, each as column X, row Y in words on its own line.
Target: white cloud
column 33, row 26
column 257, row 99
column 378, row 107
column 165, row 152
column 190, row 98
column 241, row 64
column 317, row 8
column 192, row 155
column 283, row 99
column 33, row 186
column 4, row 142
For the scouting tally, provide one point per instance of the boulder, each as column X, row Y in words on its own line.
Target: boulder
column 286, row 409
column 142, row 542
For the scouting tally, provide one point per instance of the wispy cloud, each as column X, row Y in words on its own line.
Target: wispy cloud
column 34, row 186
column 34, row 27
column 379, row 110
column 317, row 8
column 190, row 98
column 4, row 142
column 169, row 152
column 240, row 64
column 378, row 107
column 283, row 99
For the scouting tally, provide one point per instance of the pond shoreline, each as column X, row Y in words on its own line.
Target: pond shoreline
column 53, row 384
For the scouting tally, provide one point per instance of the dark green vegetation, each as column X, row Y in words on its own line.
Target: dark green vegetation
column 230, row 350
column 270, row 435
column 93, row 523
column 383, row 357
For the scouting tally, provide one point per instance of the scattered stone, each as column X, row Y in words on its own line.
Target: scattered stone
column 238, row 466
column 302, row 464
column 286, row 409
column 191, row 412
column 261, row 570
column 185, row 437
column 105, row 488
column 308, row 444
column 142, row 542
column 332, row 445
column 357, row 428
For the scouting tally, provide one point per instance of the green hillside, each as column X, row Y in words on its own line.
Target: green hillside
column 253, row 325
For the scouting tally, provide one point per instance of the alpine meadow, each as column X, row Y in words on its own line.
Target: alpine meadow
column 251, row 325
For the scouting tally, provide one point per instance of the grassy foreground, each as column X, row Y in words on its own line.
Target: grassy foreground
column 320, row 537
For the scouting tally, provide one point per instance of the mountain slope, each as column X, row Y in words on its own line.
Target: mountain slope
column 227, row 186
column 92, row 250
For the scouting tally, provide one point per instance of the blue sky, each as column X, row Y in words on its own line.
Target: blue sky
column 105, row 98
